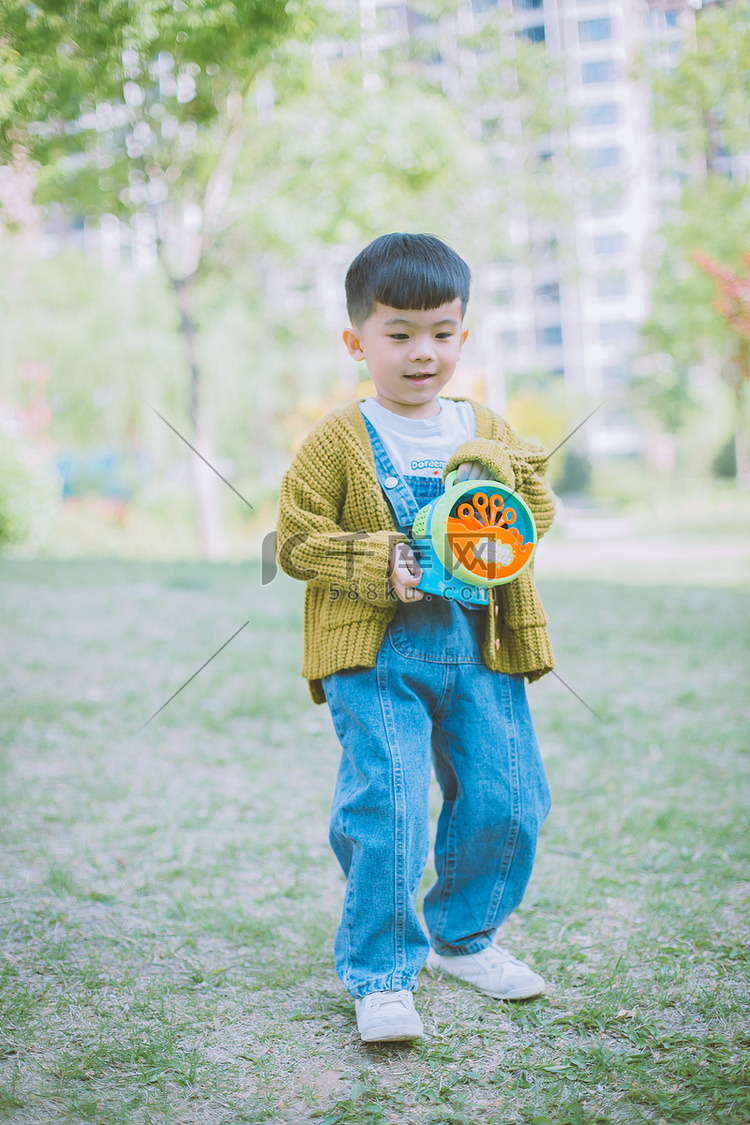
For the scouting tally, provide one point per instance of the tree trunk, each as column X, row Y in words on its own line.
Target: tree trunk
column 206, row 484
column 742, row 380
column 742, row 451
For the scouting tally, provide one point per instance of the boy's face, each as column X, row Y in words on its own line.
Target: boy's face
column 410, row 354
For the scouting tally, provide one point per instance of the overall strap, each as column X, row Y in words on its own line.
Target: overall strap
column 400, row 497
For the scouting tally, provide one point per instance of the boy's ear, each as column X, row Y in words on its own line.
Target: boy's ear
column 353, row 344
column 464, row 334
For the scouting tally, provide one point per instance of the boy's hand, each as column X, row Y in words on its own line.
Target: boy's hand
column 471, row 470
column 405, row 573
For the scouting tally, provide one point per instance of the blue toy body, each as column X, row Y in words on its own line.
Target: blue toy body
column 437, row 579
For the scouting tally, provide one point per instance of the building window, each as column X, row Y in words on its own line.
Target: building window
column 549, row 337
column 549, row 292
column 528, row 3
column 533, row 34
column 604, row 157
column 672, row 18
column 610, row 243
column 594, row 31
column 418, row 19
column 603, row 70
column 604, row 114
column 616, row 332
column 610, row 285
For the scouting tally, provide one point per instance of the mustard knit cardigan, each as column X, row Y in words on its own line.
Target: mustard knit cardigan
column 336, row 533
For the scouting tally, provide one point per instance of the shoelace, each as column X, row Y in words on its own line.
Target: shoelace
column 392, row 998
column 498, row 956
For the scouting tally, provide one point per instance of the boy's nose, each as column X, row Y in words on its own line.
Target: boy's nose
column 422, row 349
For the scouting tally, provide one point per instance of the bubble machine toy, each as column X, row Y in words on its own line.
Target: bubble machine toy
column 478, row 534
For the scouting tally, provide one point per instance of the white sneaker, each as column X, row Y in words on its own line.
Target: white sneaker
column 493, row 971
column 384, row 1016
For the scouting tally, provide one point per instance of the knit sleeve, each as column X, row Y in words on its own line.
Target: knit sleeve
column 521, row 465
column 313, row 546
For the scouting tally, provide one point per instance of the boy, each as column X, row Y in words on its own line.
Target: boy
column 410, row 679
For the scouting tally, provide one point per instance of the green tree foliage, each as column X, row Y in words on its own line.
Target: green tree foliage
column 344, row 162
column 139, row 107
column 703, row 107
column 245, row 157
column 343, row 144
column 29, row 497
column 442, row 128
column 713, row 216
column 511, row 96
column 64, row 60
column 703, row 101
column 110, row 342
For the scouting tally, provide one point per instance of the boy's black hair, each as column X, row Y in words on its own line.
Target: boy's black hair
column 405, row 271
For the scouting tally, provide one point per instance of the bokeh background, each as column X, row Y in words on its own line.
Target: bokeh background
column 182, row 188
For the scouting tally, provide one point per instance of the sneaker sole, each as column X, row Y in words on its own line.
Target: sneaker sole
column 515, row 994
column 392, row 1037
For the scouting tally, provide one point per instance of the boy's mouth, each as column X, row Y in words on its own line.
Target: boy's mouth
column 421, row 376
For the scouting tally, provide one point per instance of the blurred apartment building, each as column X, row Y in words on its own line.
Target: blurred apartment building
column 579, row 314
column 568, row 301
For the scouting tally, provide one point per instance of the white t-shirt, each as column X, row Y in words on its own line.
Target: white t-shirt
column 421, row 447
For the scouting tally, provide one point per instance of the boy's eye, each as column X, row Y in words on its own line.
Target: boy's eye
column 443, row 335
column 398, row 336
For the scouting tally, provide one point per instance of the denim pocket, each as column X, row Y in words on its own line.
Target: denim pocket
column 438, row 631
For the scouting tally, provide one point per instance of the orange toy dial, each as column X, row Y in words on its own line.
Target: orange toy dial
column 483, row 539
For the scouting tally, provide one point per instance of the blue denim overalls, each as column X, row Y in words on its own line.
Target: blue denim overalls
column 429, row 698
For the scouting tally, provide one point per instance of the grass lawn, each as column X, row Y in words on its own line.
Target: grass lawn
column 168, row 897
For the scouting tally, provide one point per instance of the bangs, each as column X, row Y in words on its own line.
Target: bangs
column 415, row 285
column 405, row 271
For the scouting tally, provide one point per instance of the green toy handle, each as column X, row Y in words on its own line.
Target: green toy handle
column 450, row 480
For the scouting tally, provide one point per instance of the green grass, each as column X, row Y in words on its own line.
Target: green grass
column 168, row 899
